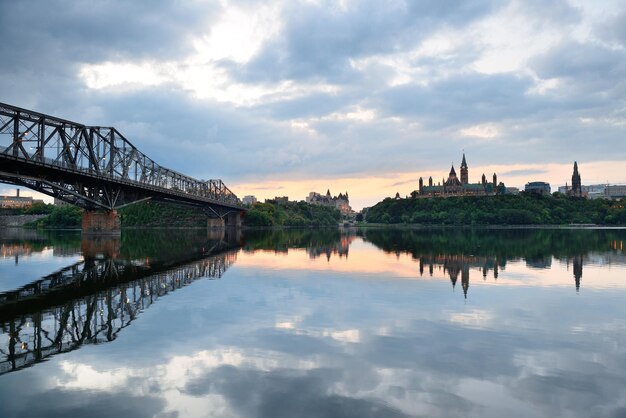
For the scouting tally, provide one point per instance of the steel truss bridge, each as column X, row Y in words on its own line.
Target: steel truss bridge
column 95, row 167
column 90, row 302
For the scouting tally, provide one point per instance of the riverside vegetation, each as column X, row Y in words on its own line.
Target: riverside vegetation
column 156, row 214
column 522, row 209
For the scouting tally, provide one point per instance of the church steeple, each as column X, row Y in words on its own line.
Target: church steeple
column 464, row 171
column 576, row 186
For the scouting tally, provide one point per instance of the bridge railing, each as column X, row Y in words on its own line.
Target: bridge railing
column 96, row 151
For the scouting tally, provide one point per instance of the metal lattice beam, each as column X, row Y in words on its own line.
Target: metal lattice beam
column 93, row 166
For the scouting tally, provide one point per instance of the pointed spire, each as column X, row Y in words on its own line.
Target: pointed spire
column 328, row 192
column 463, row 162
column 452, row 172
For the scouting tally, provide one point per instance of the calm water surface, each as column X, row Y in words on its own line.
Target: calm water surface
column 372, row 323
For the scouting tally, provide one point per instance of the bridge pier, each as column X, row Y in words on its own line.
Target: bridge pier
column 231, row 220
column 101, row 222
column 215, row 223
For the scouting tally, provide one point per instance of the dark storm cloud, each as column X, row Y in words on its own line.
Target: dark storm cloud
column 318, row 42
column 464, row 100
column 593, row 74
column 45, row 43
column 202, row 139
column 62, row 32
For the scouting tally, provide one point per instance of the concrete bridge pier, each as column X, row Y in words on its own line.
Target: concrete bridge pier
column 215, row 223
column 234, row 220
column 230, row 220
column 107, row 222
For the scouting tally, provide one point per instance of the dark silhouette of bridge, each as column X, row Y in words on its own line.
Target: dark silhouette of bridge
column 97, row 168
column 91, row 301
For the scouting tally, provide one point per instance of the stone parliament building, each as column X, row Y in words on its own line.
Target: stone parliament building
column 454, row 186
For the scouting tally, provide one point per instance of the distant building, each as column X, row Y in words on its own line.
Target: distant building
column 455, row 187
column 598, row 191
column 615, row 191
column 512, row 190
column 249, row 200
column 340, row 202
column 594, row 191
column 17, row 201
column 538, row 187
column 279, row 200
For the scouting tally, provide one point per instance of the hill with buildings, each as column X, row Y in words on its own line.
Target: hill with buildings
column 522, row 209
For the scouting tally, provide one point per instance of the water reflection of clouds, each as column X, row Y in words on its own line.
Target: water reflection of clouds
column 260, row 343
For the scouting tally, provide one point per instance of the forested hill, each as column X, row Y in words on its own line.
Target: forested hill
column 291, row 214
column 523, row 209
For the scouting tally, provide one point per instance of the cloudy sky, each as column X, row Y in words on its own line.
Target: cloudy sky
column 285, row 97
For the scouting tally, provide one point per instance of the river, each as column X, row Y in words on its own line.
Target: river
column 332, row 323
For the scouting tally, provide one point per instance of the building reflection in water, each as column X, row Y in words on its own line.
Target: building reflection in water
column 339, row 248
column 455, row 265
column 91, row 301
column 577, row 262
column 15, row 251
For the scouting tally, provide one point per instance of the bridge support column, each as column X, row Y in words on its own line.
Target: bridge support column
column 101, row 222
column 233, row 220
column 214, row 223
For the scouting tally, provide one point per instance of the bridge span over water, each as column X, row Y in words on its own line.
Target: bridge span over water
column 98, row 169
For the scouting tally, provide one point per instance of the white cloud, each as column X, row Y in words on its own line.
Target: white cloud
column 487, row 131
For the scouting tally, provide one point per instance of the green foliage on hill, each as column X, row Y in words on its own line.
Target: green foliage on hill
column 146, row 214
column 61, row 217
column 291, row 214
column 524, row 209
column 158, row 214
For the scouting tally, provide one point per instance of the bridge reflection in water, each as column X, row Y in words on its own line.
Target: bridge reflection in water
column 91, row 301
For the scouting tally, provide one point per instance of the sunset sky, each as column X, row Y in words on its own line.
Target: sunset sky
column 286, row 97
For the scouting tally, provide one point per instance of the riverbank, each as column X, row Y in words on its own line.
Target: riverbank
column 13, row 221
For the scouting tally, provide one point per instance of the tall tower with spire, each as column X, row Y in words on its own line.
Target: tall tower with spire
column 464, row 172
column 576, row 186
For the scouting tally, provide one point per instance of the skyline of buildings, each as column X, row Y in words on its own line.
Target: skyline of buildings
column 17, row 201
column 454, row 186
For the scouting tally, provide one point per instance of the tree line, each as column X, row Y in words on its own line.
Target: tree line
column 299, row 214
column 522, row 209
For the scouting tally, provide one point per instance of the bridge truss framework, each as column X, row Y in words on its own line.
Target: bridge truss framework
column 95, row 167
